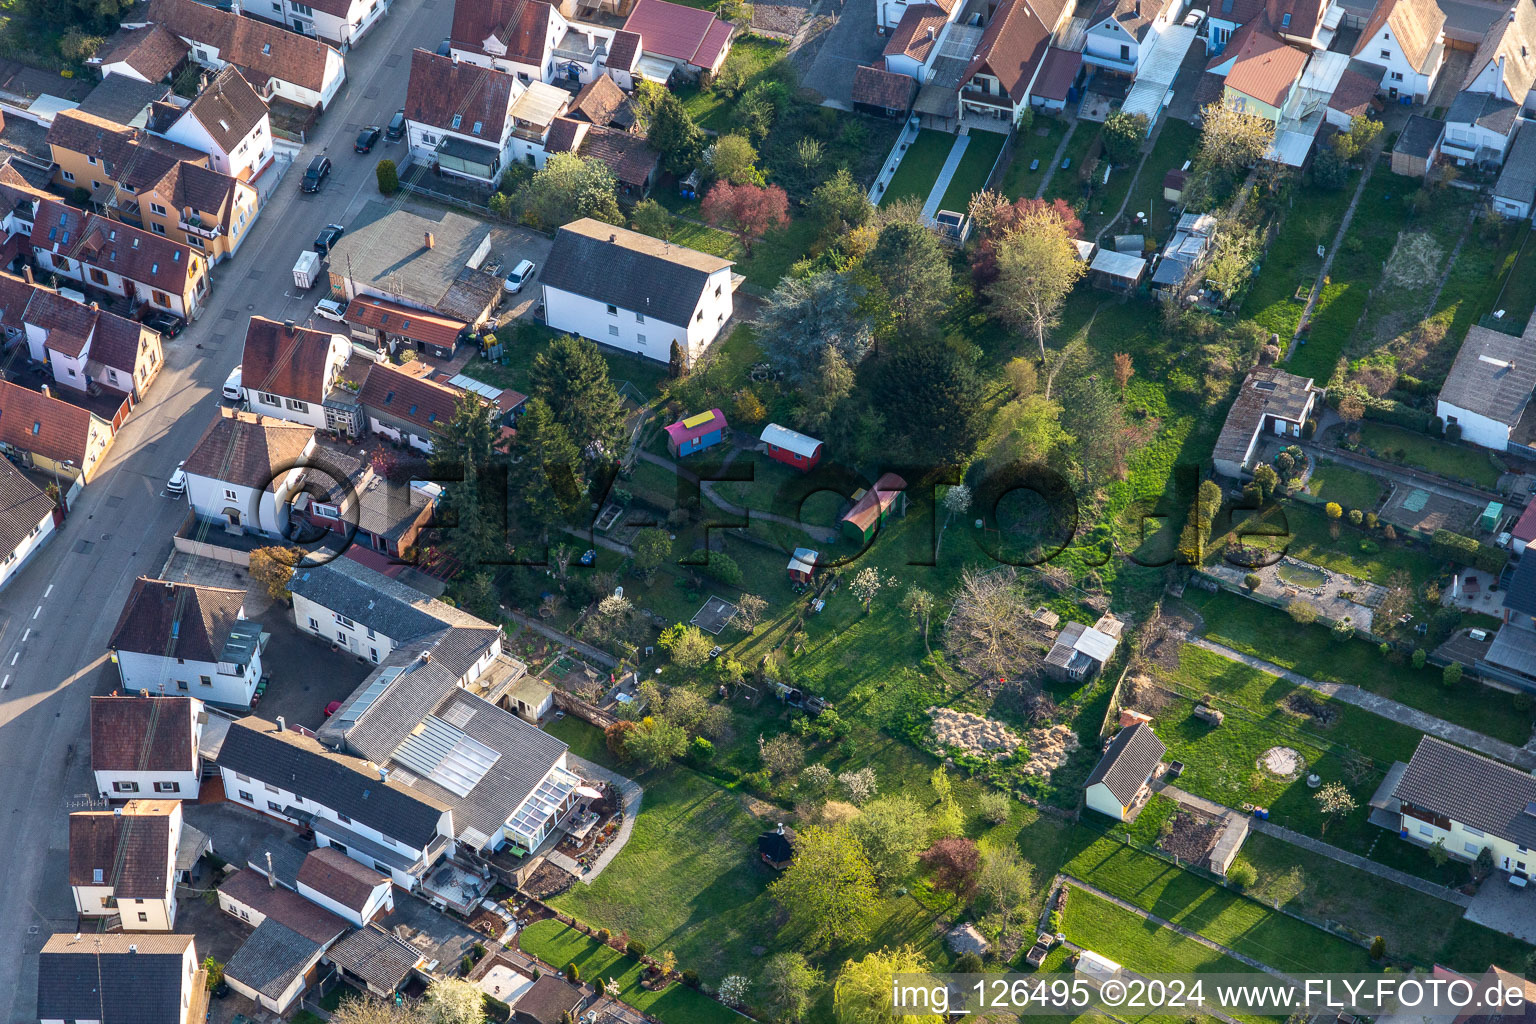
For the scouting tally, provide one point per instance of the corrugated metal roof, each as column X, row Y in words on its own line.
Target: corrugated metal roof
column 790, row 440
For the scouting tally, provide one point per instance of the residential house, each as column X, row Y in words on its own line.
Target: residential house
column 873, row 507
column 882, row 93
column 119, row 978
column 624, row 59
column 1117, row 786
column 996, row 82
column 533, row 112
column 1262, row 72
column 370, row 615
column 38, row 431
column 1523, row 533
column 84, row 347
column 1354, row 95
column 1511, row 657
column 429, row 259
column 1468, row 803
column 685, row 41
column 635, row 292
column 375, row 960
column 1121, row 33
column 1309, row 24
column 508, row 783
column 1416, row 147
column 1080, row 652
column 549, row 1000
column 1270, row 402
column 1405, row 39
column 397, row 328
column 630, row 157
column 279, row 960
column 147, row 745
column 183, row 638
column 348, row 802
column 349, row 498
column 287, row 371
column 1061, row 72
column 458, row 117
column 1489, row 386
column 889, row 13
column 148, row 53
column 122, row 863
column 345, row 887
column 125, row 100
column 229, row 121
column 1516, row 187
column 517, row 37
column 342, row 23
column 244, row 471
column 278, row 63
column 914, row 44
column 602, row 103
column 28, row 523
column 149, row 182
column 405, row 407
column 1495, row 92
column 118, row 258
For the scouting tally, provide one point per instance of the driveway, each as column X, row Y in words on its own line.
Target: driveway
column 240, row 835
column 1502, row 907
column 826, row 61
column 306, row 674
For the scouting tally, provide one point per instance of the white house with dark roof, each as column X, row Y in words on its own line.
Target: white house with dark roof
column 350, row 803
column 345, row 887
column 342, row 23
column 1489, row 385
column 278, row 960
column 28, row 522
column 1469, row 802
column 1514, row 195
column 245, row 471
column 1270, row 402
column 1117, row 786
column 147, row 746
column 122, row 863
column 229, row 121
column 184, row 639
column 118, row 978
column 458, row 116
column 1121, row 33
column 634, row 292
column 1496, row 91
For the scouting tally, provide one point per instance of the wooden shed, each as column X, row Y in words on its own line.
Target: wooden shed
column 695, row 433
column 791, row 447
column 871, row 508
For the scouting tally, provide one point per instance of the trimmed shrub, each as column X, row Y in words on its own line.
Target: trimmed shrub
column 1452, row 674
column 1453, row 547
column 1419, row 657
column 573, row 973
column 1252, row 581
column 388, row 177
column 691, row 978
column 495, row 1010
column 635, row 949
column 603, row 935
column 968, row 963
column 1453, row 431
column 1242, row 875
column 1378, row 948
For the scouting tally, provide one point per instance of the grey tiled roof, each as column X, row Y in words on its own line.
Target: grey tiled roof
column 22, row 507
column 374, row 955
column 378, row 602
column 1483, row 109
column 1493, row 374
column 632, row 271
column 1518, row 180
column 412, row 688
column 95, row 977
column 1520, row 595
column 271, row 958
column 1131, row 757
column 1471, row 789
column 299, row 764
column 1419, row 136
column 385, row 250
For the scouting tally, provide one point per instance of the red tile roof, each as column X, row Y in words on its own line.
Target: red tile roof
column 877, row 87
column 1057, row 73
column 603, row 103
column 153, row 52
column 441, row 89
column 198, row 618
column 334, row 874
column 284, row 906
column 630, row 157
column 1011, row 46
column 522, row 26
column 271, row 51
column 283, row 361
column 565, row 135
column 132, row 851
column 33, row 422
column 248, row 450
column 1355, row 94
column 625, row 51
column 682, row 33
column 1266, row 68
column 917, row 33
column 393, row 318
column 117, row 248
column 1415, row 24
column 396, row 395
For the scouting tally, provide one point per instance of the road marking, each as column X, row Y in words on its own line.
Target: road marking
column 26, row 634
column 6, row 685
column 14, row 657
column 37, row 611
column 49, row 590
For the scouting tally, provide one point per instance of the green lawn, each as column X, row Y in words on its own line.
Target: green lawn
column 774, row 253
column 1176, row 142
column 526, row 339
column 559, row 945
column 1517, row 293
column 1470, row 292
column 753, row 55
column 1351, row 488
column 920, row 166
column 1291, row 262
column 1220, row 915
column 1268, row 633
column 1304, row 531
column 1039, row 143
column 975, row 167
column 1454, row 461
column 1067, row 184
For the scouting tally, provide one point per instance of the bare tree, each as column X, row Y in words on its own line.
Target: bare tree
column 749, row 611
column 990, row 631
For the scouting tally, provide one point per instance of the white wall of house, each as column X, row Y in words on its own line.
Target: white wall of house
column 342, row 32
column 1384, row 51
column 214, row 682
column 335, row 628
column 634, row 332
column 248, row 157
column 263, row 512
column 1475, row 427
column 1463, row 139
column 1465, row 842
column 39, row 535
column 1516, row 209
column 129, row 785
column 270, row 800
column 1102, row 800
column 335, row 73
column 139, row 915
column 495, row 53
column 184, row 306
column 281, row 1004
column 888, row 13
column 311, row 414
column 380, row 901
column 420, row 442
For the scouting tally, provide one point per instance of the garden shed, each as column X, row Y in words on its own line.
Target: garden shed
column 1096, row 969
column 776, row 848
column 1489, row 520
column 695, row 433
column 1117, row 786
column 791, row 447
column 871, row 508
column 802, row 565
column 1117, row 271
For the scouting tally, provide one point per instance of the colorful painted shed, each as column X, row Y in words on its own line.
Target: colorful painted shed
column 791, row 447
column 803, row 565
column 872, row 508
column 695, row 433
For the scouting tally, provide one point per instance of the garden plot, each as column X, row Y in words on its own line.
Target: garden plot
column 1336, row 596
column 1415, row 508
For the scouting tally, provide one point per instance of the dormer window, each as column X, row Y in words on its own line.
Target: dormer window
column 1285, row 20
column 266, row 48
column 458, row 119
column 476, row 128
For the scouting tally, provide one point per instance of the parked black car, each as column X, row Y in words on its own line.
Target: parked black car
column 396, row 130
column 327, row 238
column 319, row 170
column 366, row 139
column 167, row 324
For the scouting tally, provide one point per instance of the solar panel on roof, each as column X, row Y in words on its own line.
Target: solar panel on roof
column 364, row 701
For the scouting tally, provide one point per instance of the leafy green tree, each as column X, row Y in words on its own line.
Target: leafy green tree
column 674, row 134
column 892, row 831
column 1037, row 265
column 832, row 383
column 652, row 547
column 568, row 188
column 1265, row 480
column 805, row 317
column 272, row 567
column 452, row 1001
column 547, row 479
column 862, row 993
column 654, row 743
column 934, row 401
column 1363, row 132
column 906, row 277
column 1123, row 135
column 840, row 203
column 686, row 644
column 828, row 890
column 388, row 177
column 651, row 218
column 572, row 376
column 732, row 158
column 1451, row 674
column 789, row 983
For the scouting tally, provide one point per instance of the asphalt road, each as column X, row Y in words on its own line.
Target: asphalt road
column 56, row 617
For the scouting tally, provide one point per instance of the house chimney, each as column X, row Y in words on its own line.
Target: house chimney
column 94, row 307
column 26, row 272
column 281, row 724
column 133, row 949
column 271, row 877
column 289, row 325
column 431, row 242
column 45, row 391
column 932, row 32
column 781, row 828
column 613, row 237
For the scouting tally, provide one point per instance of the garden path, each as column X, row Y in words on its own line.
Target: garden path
column 1333, row 250
column 1061, row 148
column 946, row 173
column 632, row 796
column 1179, row 929
column 1146, row 151
column 1520, row 757
column 707, row 489
column 1317, row 846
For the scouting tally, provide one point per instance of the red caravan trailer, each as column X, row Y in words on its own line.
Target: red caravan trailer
column 791, row 447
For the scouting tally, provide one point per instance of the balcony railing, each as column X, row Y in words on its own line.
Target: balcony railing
column 197, row 227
